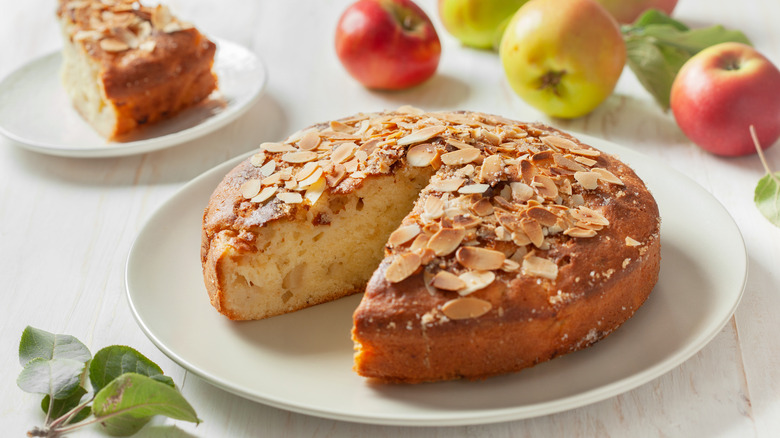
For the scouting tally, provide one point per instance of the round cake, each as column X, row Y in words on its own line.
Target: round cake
column 487, row 245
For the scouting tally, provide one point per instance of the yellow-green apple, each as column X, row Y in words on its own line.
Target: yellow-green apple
column 477, row 23
column 563, row 57
column 720, row 92
column 387, row 44
column 627, row 11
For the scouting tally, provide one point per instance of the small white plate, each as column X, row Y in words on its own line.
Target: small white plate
column 303, row 361
column 36, row 112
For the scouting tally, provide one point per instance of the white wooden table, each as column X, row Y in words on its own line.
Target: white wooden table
column 66, row 225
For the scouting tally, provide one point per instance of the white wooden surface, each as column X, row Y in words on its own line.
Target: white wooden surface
column 66, row 225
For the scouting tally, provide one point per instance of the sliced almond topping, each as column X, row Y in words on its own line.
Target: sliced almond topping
column 459, row 144
column 533, row 230
column 543, row 216
column 528, row 171
column 482, row 259
column 337, row 126
column 343, row 152
column 465, row 308
column 502, row 234
column 589, row 215
column 351, row 166
column 257, row 159
column 559, row 142
column 421, row 135
column 579, row 232
column 475, row 280
column 421, row 155
column 408, row 109
column 474, row 188
column 299, row 157
column 336, row 175
column 507, row 220
column 586, row 152
column 577, row 200
column 521, row 192
column 607, row 176
column 466, row 221
column 490, row 137
column 161, row 16
column 434, row 207
column 370, row 145
column 402, row 267
column 446, row 240
column 315, row 191
column 113, row 45
column 585, row 161
column 632, row 242
column 447, row 185
column 264, row 195
column 249, row 189
column 403, row 234
column 539, row 267
column 520, row 239
column 568, row 164
column 448, row 281
column 588, row 180
column 311, row 179
column 483, row 207
column 510, row 265
column 277, row 147
column 542, row 156
column 545, row 186
column 492, row 168
column 306, row 170
column 460, row 157
column 274, row 179
column 420, row 243
column 268, row 168
column 309, row 141
column 290, row 197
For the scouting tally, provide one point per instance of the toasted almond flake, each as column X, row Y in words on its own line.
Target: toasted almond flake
column 274, row 179
column 290, row 197
column 559, row 142
column 586, row 152
column 459, row 144
column 565, row 187
column 585, row 161
column 277, row 147
column 474, row 188
column 338, row 126
column 540, row 267
column 306, row 170
column 589, row 215
column 520, row 239
column 483, row 207
column 502, row 234
column 113, row 45
column 566, row 163
column 408, row 109
column 492, row 168
column 268, row 168
column 249, row 189
column 311, row 179
column 542, row 215
column 579, row 232
column 336, row 175
column 87, row 35
column 510, row 266
column 264, row 195
column 465, row 308
column 542, row 156
column 315, row 191
column 343, row 152
column 528, row 171
column 475, row 280
column 533, row 230
column 148, row 45
column 588, row 180
column 428, row 282
column 632, row 242
column 606, row 175
column 433, row 208
column 545, row 186
column 420, row 243
column 448, row 281
column 403, row 234
column 358, row 175
column 257, row 159
column 351, row 166
column 446, row 240
column 421, row 155
column 422, row 135
column 299, row 157
column 460, row 157
column 466, row 221
column 490, row 137
column 402, row 267
column 161, row 16
column 309, row 141
column 521, row 192
column 482, row 259
column 447, row 185
column 508, row 220
column 292, row 185
column 577, row 200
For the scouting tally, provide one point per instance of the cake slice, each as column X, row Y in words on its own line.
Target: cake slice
column 126, row 65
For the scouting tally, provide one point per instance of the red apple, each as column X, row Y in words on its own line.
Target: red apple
column 720, row 92
column 387, row 44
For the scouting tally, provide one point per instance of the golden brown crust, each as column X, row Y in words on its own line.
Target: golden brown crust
column 152, row 65
column 525, row 245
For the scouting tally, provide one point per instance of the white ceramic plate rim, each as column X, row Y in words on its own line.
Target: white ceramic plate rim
column 444, row 418
column 117, row 149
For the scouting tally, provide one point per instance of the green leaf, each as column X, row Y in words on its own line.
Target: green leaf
column 111, row 362
column 38, row 343
column 129, row 401
column 58, row 378
column 657, row 46
column 767, row 197
column 65, row 405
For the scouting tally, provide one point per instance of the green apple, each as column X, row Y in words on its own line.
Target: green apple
column 626, row 11
column 563, row 57
column 477, row 23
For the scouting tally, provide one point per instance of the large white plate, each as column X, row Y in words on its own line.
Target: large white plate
column 36, row 112
column 302, row 361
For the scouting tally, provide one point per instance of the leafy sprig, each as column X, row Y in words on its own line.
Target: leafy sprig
column 767, row 193
column 128, row 389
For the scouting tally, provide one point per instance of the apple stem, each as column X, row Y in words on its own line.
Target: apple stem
column 761, row 156
column 551, row 80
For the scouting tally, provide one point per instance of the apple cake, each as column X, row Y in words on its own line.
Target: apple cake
column 126, row 65
column 483, row 245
